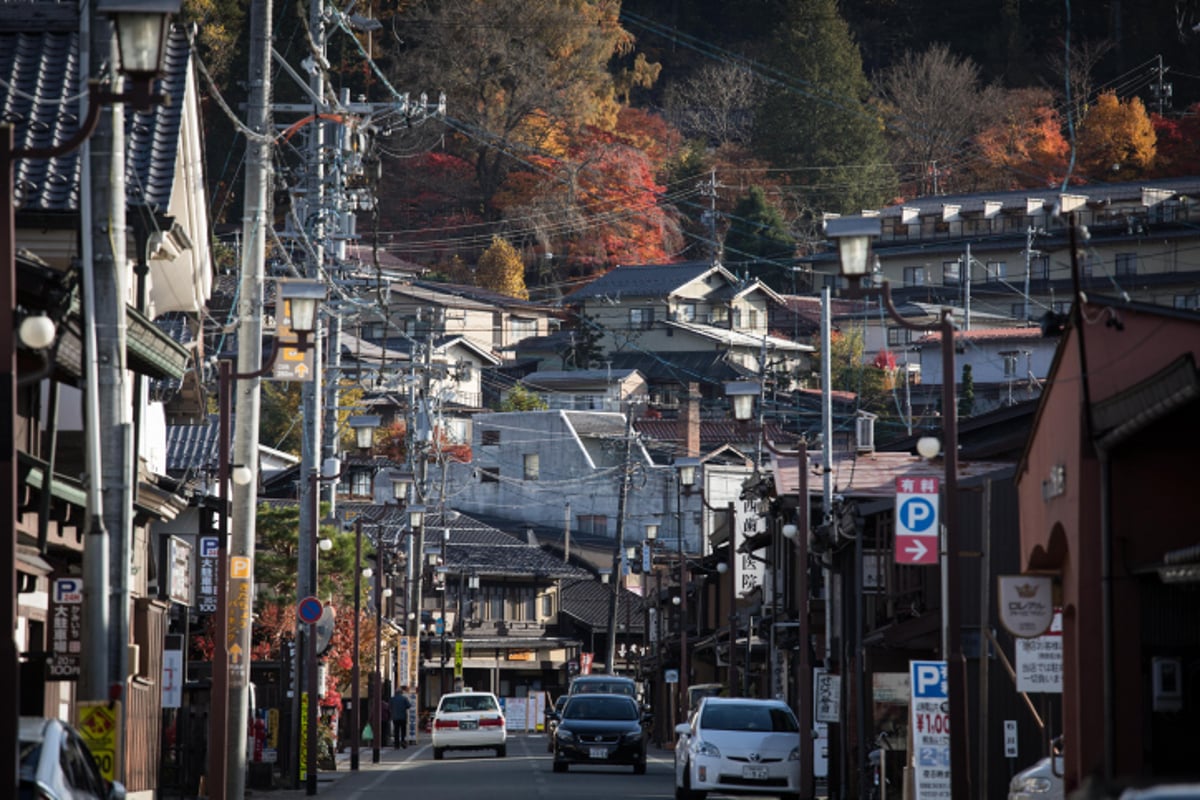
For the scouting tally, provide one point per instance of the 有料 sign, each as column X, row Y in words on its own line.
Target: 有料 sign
column 917, row 525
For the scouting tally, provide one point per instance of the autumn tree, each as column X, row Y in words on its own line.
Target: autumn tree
column 1178, row 138
column 1024, row 146
column 508, row 67
column 715, row 103
column 934, row 104
column 849, row 372
column 1116, row 135
column 817, row 115
column 501, row 270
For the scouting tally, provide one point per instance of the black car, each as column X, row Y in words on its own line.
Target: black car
column 601, row 729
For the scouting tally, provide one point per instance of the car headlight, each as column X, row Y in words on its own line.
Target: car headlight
column 632, row 736
column 1034, row 785
column 564, row 734
column 703, row 748
column 794, row 755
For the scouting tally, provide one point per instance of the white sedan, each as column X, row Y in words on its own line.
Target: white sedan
column 738, row 745
column 469, row 721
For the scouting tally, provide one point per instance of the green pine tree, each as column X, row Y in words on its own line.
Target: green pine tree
column 817, row 116
column 757, row 231
column 966, row 392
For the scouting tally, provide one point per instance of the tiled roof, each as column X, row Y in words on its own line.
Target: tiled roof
column 41, row 98
column 191, row 448
column 703, row 366
column 987, row 334
column 646, row 280
column 873, row 475
column 596, row 423
column 589, row 602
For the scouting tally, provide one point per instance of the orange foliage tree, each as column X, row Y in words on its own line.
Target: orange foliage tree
column 1024, row 147
column 1116, row 135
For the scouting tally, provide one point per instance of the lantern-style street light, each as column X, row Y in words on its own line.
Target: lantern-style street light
column 853, row 235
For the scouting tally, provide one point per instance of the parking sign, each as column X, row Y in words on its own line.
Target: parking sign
column 929, row 729
column 917, row 525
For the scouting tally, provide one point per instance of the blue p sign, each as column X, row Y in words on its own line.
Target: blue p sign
column 917, row 514
column 929, row 679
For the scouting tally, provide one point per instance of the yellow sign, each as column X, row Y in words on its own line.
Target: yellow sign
column 303, row 736
column 521, row 655
column 99, row 725
column 458, row 658
column 239, row 566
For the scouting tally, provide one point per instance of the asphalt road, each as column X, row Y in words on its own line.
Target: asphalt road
column 525, row 774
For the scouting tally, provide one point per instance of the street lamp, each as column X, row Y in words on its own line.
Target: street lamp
column 141, row 97
column 853, row 235
column 230, row 677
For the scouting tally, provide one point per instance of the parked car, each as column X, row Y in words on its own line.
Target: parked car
column 738, row 745
column 1041, row 781
column 552, row 718
column 603, row 684
column 57, row 765
column 469, row 721
column 601, row 729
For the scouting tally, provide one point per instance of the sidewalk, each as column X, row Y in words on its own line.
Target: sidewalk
column 326, row 779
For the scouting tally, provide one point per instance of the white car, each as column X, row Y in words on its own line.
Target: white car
column 738, row 745
column 469, row 721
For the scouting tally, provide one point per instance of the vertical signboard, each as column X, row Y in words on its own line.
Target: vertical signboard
column 179, row 570
column 206, row 595
column 929, row 729
column 750, row 568
column 917, row 525
column 172, row 671
column 1039, row 660
column 827, row 696
column 237, row 617
column 66, row 629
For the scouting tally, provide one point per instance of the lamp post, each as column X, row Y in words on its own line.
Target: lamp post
column 141, row 46
column 853, row 235
column 364, row 427
column 685, row 469
column 230, row 673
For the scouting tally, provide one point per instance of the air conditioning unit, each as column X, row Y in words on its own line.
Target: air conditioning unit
column 864, row 428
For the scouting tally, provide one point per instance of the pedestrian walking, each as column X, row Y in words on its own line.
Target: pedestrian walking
column 399, row 709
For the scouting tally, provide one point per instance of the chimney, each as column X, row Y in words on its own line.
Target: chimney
column 689, row 419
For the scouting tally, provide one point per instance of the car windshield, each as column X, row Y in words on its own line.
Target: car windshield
column 479, row 702
column 606, row 708
column 731, row 717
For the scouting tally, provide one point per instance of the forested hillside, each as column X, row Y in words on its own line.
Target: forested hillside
column 587, row 133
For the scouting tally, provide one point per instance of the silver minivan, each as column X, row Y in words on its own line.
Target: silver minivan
column 1042, row 781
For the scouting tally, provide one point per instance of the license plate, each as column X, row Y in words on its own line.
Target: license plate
column 598, row 752
column 468, row 725
column 755, row 773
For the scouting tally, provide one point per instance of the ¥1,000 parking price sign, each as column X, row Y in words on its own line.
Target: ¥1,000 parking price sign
column 929, row 729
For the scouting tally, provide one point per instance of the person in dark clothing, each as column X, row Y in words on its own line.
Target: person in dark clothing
column 399, row 710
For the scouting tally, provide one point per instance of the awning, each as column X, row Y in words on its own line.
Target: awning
column 60, row 488
column 152, row 352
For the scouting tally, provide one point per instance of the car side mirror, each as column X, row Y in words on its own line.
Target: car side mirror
column 552, row 715
column 683, row 729
column 116, row 791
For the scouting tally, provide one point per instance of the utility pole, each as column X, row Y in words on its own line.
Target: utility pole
column 110, row 467
column 1028, row 265
column 244, row 452
column 619, row 547
column 966, row 277
column 709, row 190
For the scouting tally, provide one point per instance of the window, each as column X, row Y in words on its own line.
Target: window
column 1010, row 359
column 752, row 318
column 360, row 484
column 489, row 437
column 523, row 328
column 1039, row 268
column 547, row 605
column 641, row 317
column 1017, row 310
column 1126, row 265
column 1187, row 301
column 1090, row 265
column 531, row 466
column 950, row 273
column 1061, row 306
column 996, row 271
column 914, row 276
column 897, row 337
column 593, row 523
column 686, row 312
column 494, row 607
column 489, row 474
column 497, row 329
